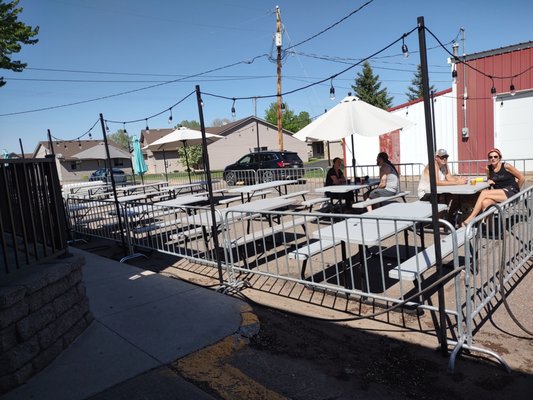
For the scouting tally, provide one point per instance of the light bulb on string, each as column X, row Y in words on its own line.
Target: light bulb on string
column 332, row 91
column 233, row 113
column 512, row 89
column 106, row 127
column 492, row 89
column 282, row 106
column 90, row 135
column 454, row 75
column 79, row 144
column 124, row 128
column 146, row 120
column 170, row 116
column 405, row 49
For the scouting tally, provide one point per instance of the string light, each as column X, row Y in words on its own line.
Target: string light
column 124, row 128
column 233, row 113
column 90, row 135
column 405, row 50
column 170, row 116
column 492, row 89
column 146, row 120
column 512, row 88
column 106, row 127
column 332, row 91
column 79, row 144
column 454, row 74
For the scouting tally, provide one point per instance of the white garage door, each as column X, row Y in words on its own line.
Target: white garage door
column 513, row 127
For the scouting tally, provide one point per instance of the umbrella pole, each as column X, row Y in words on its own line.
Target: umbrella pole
column 165, row 164
column 353, row 159
column 187, row 160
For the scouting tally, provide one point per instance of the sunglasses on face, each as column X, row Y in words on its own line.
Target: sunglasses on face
column 493, row 157
column 443, row 157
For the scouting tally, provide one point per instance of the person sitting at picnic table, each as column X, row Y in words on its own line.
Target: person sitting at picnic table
column 443, row 176
column 505, row 181
column 335, row 176
column 388, row 179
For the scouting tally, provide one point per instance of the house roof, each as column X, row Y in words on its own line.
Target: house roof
column 69, row 148
column 232, row 126
column 151, row 135
column 498, row 51
column 410, row 103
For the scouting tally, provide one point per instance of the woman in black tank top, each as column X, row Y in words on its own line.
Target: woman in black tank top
column 505, row 181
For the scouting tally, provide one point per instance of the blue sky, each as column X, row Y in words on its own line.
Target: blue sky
column 96, row 49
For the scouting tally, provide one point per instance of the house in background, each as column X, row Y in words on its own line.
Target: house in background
column 77, row 159
column 239, row 137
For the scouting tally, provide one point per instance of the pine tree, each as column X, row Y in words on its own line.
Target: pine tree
column 415, row 92
column 367, row 88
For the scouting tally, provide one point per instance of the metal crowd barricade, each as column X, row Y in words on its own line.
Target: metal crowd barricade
column 240, row 177
column 308, row 178
column 502, row 243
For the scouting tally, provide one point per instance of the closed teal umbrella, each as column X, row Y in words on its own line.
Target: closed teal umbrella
column 139, row 166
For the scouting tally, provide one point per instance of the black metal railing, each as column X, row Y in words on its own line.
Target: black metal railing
column 32, row 214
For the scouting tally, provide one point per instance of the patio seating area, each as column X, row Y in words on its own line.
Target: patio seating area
column 365, row 257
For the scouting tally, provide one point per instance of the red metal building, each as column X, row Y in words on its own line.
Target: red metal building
column 494, row 92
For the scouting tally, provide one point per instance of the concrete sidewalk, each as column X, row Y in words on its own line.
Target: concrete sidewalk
column 143, row 321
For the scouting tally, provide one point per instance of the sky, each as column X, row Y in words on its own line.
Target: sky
column 131, row 60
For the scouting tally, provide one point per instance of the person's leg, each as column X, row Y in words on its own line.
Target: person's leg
column 485, row 199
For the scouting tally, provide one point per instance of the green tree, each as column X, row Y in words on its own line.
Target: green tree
column 194, row 155
column 367, row 88
column 289, row 120
column 121, row 138
column 189, row 124
column 220, row 122
column 415, row 92
column 13, row 33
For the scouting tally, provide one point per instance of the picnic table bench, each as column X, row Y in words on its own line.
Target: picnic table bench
column 379, row 200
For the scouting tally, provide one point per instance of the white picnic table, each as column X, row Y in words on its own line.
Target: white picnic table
column 371, row 232
column 465, row 189
column 251, row 189
column 182, row 201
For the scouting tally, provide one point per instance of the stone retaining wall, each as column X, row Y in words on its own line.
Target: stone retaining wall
column 43, row 309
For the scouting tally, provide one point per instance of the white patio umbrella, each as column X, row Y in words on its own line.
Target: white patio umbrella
column 180, row 137
column 351, row 117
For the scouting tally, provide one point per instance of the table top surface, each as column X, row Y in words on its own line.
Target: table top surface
column 373, row 231
column 341, row 188
column 261, row 186
column 235, row 212
column 463, row 189
column 182, row 200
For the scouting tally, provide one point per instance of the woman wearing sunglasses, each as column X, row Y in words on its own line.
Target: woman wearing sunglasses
column 504, row 179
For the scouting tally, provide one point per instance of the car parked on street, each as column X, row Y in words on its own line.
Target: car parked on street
column 269, row 165
column 102, row 174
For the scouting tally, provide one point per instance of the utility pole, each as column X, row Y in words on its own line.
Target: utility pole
column 278, row 45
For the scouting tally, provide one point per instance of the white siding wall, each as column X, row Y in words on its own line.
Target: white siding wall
column 413, row 143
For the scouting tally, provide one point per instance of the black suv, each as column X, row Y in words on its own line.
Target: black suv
column 277, row 165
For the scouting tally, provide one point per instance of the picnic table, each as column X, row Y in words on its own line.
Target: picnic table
column 250, row 190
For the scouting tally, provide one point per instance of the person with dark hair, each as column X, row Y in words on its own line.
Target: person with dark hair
column 335, row 176
column 389, row 181
column 505, row 181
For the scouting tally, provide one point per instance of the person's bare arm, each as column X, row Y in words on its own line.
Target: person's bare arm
column 516, row 173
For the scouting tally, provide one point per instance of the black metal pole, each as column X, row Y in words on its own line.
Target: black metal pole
column 214, row 233
column 441, row 331
column 21, row 149
column 50, row 143
column 117, row 205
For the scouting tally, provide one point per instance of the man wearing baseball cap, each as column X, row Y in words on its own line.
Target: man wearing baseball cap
column 443, row 175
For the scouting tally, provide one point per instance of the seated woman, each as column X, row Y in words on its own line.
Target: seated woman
column 388, row 179
column 335, row 176
column 505, row 181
